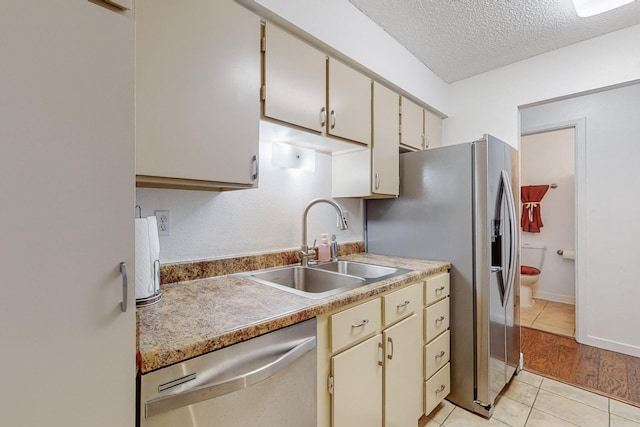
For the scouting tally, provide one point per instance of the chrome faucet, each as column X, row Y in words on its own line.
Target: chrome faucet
column 305, row 252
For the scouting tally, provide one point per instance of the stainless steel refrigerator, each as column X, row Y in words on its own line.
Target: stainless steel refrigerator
column 457, row 204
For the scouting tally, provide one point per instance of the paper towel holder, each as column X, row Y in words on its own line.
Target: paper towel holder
column 156, row 296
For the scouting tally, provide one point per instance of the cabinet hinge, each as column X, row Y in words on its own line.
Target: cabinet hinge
column 263, row 44
column 330, row 384
column 263, row 93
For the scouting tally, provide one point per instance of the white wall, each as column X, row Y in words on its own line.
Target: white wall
column 488, row 103
column 607, row 242
column 547, row 158
column 208, row 225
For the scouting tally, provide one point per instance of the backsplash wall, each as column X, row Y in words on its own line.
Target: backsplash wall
column 207, row 225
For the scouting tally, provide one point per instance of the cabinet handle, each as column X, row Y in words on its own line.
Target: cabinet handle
column 381, row 352
column 441, row 389
column 404, row 304
column 424, row 142
column 438, row 356
column 323, row 116
column 254, row 159
column 427, row 142
column 364, row 322
column 440, row 289
column 439, row 319
column 333, row 119
column 377, row 181
column 125, row 286
column 390, row 353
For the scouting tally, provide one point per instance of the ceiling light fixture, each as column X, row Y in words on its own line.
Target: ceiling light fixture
column 586, row 8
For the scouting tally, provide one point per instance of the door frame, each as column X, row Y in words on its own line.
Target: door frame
column 580, row 234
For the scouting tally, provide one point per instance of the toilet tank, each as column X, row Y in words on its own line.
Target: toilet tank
column 532, row 255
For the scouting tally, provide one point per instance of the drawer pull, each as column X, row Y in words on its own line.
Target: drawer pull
column 439, row 319
column 404, row 304
column 441, row 389
column 438, row 356
column 364, row 322
column 440, row 289
column 390, row 342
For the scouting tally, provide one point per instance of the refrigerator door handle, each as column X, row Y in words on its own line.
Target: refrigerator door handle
column 513, row 240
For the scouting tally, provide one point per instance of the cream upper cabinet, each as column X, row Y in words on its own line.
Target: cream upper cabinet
column 432, row 129
column 294, row 86
column 373, row 172
column 197, row 94
column 385, row 160
column 412, row 125
column 420, row 128
column 349, row 103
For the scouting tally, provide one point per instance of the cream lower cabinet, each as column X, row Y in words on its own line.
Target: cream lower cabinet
column 374, row 371
column 437, row 341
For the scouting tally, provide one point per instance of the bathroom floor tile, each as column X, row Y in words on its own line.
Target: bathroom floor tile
column 521, row 392
column 529, row 378
column 442, row 411
column 617, row 421
column 542, row 419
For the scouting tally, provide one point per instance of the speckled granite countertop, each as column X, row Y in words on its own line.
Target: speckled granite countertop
column 203, row 315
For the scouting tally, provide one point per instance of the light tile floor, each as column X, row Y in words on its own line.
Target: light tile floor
column 550, row 316
column 534, row 401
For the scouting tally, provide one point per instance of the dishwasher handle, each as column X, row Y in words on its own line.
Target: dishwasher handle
column 209, row 391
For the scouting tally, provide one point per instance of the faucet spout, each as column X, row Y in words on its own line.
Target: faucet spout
column 305, row 252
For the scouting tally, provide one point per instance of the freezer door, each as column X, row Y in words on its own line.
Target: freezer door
column 498, row 329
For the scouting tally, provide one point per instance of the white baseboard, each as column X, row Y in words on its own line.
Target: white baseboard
column 566, row 299
column 609, row 345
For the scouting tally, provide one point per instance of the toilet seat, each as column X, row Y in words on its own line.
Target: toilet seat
column 527, row 270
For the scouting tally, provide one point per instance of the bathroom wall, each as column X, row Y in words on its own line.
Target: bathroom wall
column 208, row 225
column 547, row 158
column 607, row 179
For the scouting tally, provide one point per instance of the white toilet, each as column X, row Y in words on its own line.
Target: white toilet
column 531, row 260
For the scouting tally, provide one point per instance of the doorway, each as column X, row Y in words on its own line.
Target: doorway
column 548, row 167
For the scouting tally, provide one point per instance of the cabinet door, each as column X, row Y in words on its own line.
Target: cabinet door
column 294, row 80
column 349, row 103
column 67, row 108
column 385, row 177
column 432, row 129
column 197, row 91
column 357, row 385
column 403, row 375
column 412, row 125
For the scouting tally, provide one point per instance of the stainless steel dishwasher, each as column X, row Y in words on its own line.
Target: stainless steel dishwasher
column 267, row 381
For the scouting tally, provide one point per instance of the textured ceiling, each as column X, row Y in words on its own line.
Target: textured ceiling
column 461, row 38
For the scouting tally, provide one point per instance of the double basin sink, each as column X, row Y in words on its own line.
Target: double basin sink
column 323, row 280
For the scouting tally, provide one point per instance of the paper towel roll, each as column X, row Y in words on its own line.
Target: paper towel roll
column 144, row 267
column 568, row 254
column 154, row 252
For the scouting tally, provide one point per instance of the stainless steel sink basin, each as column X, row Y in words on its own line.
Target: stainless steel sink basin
column 307, row 281
column 323, row 280
column 366, row 271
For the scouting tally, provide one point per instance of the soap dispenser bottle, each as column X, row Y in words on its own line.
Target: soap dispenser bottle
column 324, row 249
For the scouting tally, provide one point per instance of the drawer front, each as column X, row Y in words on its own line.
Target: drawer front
column 401, row 303
column 355, row 323
column 437, row 354
column 437, row 388
column 436, row 288
column 436, row 319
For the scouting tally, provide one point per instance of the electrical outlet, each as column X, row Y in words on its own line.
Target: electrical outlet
column 346, row 216
column 164, row 222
